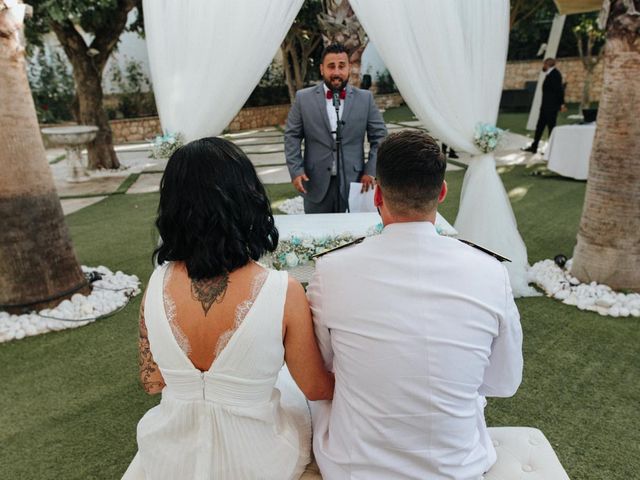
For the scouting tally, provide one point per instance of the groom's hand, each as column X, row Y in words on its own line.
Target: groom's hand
column 367, row 182
column 297, row 182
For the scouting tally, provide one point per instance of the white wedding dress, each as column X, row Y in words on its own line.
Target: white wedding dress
column 244, row 418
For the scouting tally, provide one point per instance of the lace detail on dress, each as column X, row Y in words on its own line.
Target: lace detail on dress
column 242, row 310
column 170, row 309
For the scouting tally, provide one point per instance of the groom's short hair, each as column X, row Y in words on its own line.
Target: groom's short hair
column 334, row 48
column 410, row 171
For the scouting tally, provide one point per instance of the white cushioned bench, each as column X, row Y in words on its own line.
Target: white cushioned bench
column 524, row 453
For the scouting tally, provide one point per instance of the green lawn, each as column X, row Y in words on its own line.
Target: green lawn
column 515, row 122
column 70, row 400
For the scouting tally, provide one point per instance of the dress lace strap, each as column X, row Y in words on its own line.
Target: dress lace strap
column 242, row 310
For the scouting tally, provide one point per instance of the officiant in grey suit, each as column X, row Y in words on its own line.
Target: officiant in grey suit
column 316, row 173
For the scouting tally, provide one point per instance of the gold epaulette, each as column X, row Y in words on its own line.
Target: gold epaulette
column 495, row 255
column 355, row 242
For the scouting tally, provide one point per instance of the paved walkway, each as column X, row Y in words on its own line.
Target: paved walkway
column 265, row 148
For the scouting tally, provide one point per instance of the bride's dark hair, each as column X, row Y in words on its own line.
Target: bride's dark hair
column 214, row 213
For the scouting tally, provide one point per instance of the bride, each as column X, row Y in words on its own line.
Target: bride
column 216, row 328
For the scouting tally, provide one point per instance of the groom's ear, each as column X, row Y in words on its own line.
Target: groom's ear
column 443, row 192
column 377, row 196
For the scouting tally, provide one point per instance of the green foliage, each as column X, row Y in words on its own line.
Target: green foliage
column 385, row 83
column 527, row 36
column 589, row 34
column 90, row 15
column 52, row 87
column 307, row 29
column 271, row 90
column 135, row 98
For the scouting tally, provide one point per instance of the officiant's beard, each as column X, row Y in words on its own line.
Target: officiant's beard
column 331, row 86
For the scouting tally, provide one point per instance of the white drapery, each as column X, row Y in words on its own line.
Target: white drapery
column 206, row 56
column 448, row 58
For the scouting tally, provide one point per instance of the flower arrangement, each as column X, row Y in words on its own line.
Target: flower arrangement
column 165, row 145
column 487, row 137
column 299, row 249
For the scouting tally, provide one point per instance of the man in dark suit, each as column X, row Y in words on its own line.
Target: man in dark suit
column 552, row 102
column 312, row 118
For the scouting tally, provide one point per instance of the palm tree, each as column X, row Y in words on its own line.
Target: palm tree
column 339, row 24
column 608, row 248
column 37, row 261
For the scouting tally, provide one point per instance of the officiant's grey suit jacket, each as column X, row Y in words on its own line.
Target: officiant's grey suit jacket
column 308, row 121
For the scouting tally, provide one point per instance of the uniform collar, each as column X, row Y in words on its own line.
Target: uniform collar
column 411, row 228
column 549, row 71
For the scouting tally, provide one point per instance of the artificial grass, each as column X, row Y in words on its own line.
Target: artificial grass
column 515, row 122
column 70, row 400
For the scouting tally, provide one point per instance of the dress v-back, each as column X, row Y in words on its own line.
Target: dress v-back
column 243, row 418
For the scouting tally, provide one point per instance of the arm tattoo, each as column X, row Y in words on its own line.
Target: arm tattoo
column 209, row 290
column 150, row 375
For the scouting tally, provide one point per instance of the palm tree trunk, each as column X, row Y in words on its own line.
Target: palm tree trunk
column 340, row 25
column 37, row 261
column 608, row 247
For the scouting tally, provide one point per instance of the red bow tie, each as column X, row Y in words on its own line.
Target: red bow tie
column 343, row 94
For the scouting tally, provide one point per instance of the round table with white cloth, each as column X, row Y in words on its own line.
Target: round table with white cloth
column 569, row 150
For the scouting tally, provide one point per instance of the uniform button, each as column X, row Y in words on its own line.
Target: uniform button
column 496, row 443
column 527, row 468
column 328, row 169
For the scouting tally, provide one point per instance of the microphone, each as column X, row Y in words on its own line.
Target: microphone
column 336, row 97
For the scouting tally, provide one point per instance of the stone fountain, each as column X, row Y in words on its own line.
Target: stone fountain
column 73, row 138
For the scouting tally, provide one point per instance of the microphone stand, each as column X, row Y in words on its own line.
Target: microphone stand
column 341, row 178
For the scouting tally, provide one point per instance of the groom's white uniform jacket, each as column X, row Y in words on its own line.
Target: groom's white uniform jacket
column 418, row 328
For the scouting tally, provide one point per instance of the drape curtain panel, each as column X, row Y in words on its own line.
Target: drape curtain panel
column 448, row 58
column 206, row 57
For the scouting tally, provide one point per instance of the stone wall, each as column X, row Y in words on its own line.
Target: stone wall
column 146, row 128
column 135, row 129
column 257, row 117
column 573, row 74
column 389, row 100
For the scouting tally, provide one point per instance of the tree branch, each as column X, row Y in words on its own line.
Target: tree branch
column 107, row 36
column 70, row 39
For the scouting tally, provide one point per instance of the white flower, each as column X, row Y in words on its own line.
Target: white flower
column 307, row 243
column 291, row 260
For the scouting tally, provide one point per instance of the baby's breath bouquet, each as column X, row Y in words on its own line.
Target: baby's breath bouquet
column 164, row 146
column 487, row 137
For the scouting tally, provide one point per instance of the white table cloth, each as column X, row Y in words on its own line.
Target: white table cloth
column 330, row 224
column 323, row 225
column 569, row 150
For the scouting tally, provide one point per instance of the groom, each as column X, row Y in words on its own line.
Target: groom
column 317, row 174
column 418, row 329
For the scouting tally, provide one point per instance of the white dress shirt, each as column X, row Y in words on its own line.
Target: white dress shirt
column 333, row 121
column 418, row 328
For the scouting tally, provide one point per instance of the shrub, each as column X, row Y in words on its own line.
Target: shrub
column 52, row 87
column 385, row 83
column 135, row 97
